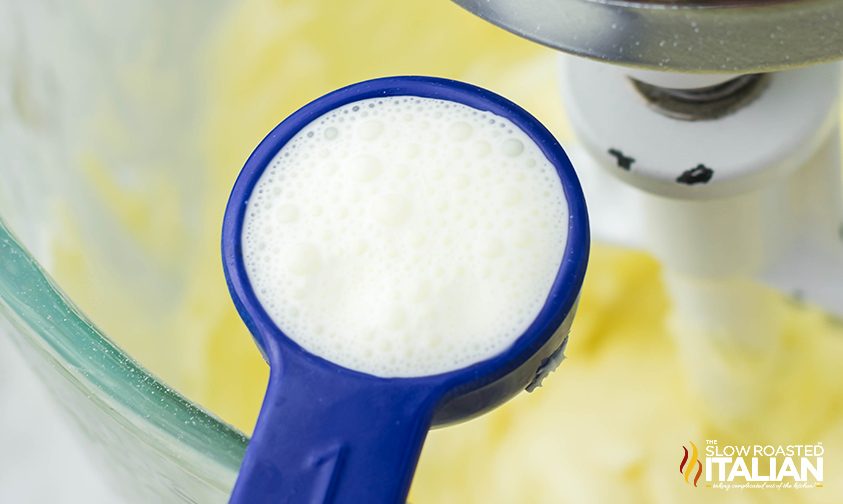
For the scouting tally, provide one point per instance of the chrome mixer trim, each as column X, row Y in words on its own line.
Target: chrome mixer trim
column 706, row 103
column 728, row 36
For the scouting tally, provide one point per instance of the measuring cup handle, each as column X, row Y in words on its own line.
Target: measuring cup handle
column 329, row 436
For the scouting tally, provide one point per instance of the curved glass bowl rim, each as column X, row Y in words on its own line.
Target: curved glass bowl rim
column 158, row 415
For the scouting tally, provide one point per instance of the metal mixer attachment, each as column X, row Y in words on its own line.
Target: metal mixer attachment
column 708, row 136
column 735, row 36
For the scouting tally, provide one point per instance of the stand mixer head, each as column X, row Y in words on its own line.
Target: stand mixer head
column 715, row 36
column 710, row 141
column 684, row 112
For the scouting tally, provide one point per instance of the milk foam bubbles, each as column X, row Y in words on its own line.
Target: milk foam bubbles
column 405, row 236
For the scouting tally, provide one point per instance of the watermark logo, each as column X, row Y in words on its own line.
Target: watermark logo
column 691, row 465
column 741, row 466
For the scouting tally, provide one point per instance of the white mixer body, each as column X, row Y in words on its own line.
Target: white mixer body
column 753, row 194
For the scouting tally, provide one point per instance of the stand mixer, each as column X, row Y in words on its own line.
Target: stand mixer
column 721, row 152
column 758, row 212
column 710, row 139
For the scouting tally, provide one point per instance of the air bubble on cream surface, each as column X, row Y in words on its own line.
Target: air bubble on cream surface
column 510, row 196
column 392, row 209
column 513, row 147
column 370, row 130
column 460, row 130
column 491, row 247
column 395, row 318
column 365, row 167
column 405, row 236
column 287, row 213
column 481, row 149
column 461, row 181
column 304, row 259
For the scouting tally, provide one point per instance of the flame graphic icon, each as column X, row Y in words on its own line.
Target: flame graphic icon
column 689, row 463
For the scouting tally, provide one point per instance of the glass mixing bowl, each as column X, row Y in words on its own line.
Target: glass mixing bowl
column 104, row 86
column 159, row 445
column 113, row 185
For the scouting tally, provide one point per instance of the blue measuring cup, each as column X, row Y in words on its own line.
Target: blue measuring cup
column 326, row 433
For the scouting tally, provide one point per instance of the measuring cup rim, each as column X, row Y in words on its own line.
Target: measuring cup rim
column 272, row 341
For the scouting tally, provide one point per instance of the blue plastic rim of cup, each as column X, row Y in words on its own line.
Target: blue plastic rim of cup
column 329, row 434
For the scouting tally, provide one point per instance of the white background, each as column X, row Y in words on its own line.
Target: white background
column 42, row 459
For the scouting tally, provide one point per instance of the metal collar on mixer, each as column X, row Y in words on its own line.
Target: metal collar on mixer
column 737, row 36
column 703, row 103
